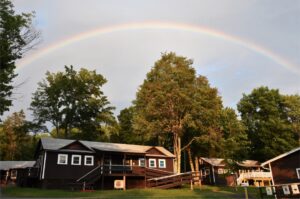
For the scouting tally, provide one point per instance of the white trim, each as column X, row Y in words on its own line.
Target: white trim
column 140, row 159
column 164, row 161
column 152, row 159
column 273, row 184
column 298, row 172
column 62, row 155
column 44, row 165
column 72, row 160
column 85, row 160
column 281, row 156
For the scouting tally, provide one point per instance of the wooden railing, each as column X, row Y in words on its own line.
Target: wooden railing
column 154, row 173
column 291, row 190
column 253, row 175
column 174, row 180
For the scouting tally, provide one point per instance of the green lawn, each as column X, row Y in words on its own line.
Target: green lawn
column 201, row 193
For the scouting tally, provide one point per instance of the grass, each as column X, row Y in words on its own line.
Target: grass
column 205, row 192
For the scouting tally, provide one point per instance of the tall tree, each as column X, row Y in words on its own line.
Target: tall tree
column 15, row 142
column 173, row 98
column 270, row 119
column 17, row 36
column 235, row 140
column 72, row 99
column 125, row 132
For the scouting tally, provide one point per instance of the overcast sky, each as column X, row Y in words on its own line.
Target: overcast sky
column 124, row 56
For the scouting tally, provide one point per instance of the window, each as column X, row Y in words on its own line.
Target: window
column 76, row 160
column 152, row 163
column 142, row 162
column 89, row 160
column 298, row 172
column 220, row 171
column 162, row 163
column 13, row 174
column 62, row 159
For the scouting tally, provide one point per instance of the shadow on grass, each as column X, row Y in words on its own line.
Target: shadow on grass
column 205, row 192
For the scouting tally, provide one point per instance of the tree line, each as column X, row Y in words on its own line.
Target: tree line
column 174, row 107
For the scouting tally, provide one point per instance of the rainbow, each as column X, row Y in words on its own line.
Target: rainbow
column 162, row 26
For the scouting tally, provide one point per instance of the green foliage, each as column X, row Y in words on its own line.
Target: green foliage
column 172, row 99
column 272, row 122
column 125, row 132
column 235, row 143
column 72, row 100
column 15, row 142
column 16, row 37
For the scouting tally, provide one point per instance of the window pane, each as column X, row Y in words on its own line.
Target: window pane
column 89, row 160
column 162, row 163
column 141, row 162
column 76, row 160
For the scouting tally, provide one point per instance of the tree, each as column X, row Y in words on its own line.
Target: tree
column 17, row 36
column 172, row 99
column 235, row 140
column 73, row 100
column 15, row 142
column 271, row 121
column 125, row 132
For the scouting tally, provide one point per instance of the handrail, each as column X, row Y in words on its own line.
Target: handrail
column 159, row 170
column 170, row 176
column 89, row 173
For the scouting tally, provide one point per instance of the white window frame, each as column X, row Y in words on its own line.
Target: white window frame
column 140, row 160
column 85, row 160
column 59, row 157
column 76, row 156
column 298, row 172
column 164, row 161
column 149, row 161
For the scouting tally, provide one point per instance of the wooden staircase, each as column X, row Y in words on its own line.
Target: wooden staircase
column 87, row 181
column 171, row 181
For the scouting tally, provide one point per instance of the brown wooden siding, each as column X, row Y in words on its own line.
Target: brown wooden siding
column 57, row 171
column 284, row 169
column 154, row 151
column 169, row 163
column 76, row 146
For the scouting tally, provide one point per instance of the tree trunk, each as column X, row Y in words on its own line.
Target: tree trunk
column 177, row 153
column 198, row 181
column 190, row 159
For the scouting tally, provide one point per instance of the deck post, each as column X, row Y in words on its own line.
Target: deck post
column 246, row 193
column 124, row 182
column 192, row 186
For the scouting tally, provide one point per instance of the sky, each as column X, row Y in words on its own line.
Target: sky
column 237, row 45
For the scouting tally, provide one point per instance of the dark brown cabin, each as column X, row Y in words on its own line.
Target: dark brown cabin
column 80, row 164
column 285, row 170
column 12, row 172
column 214, row 171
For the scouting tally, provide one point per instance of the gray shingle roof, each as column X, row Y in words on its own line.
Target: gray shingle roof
column 214, row 161
column 6, row 165
column 56, row 144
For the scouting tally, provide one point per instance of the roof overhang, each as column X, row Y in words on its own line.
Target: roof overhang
column 280, row 156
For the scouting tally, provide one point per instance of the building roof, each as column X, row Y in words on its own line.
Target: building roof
column 6, row 165
column 280, row 156
column 249, row 163
column 221, row 162
column 56, row 144
column 214, row 161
